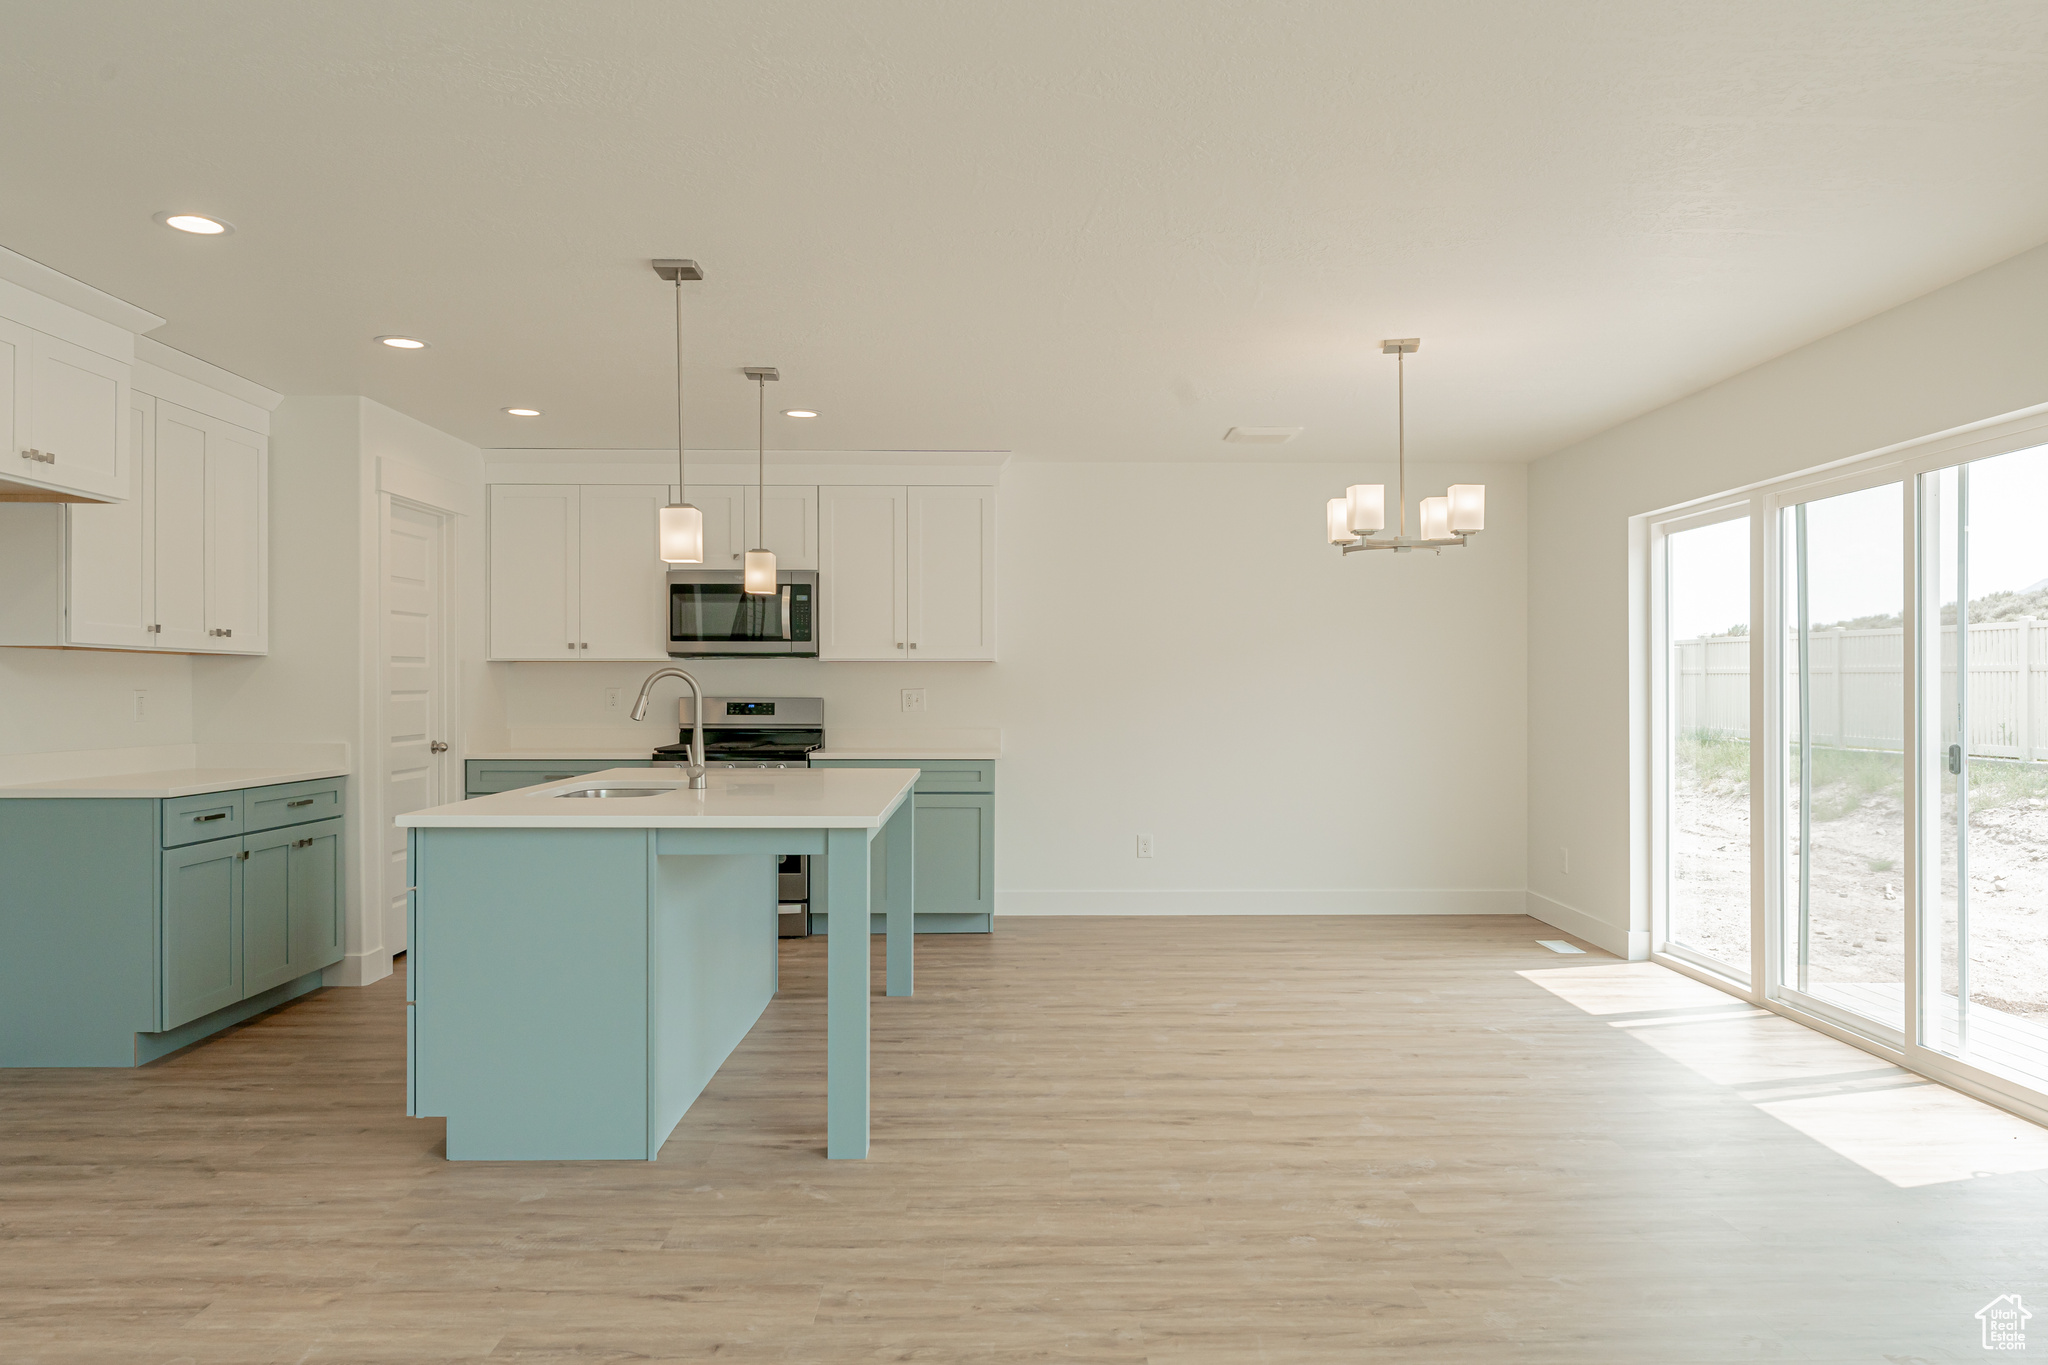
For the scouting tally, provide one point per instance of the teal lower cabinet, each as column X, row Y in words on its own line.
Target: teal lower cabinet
column 483, row 776
column 131, row 928
column 954, row 838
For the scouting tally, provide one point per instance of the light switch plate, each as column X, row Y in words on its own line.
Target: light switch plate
column 913, row 699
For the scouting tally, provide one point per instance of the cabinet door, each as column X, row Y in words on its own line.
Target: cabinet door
column 78, row 410
column 17, row 350
column 180, row 528
column 622, row 581
column 952, row 580
column 955, row 853
column 315, row 880
column 202, row 929
column 266, row 910
column 786, row 524
column 861, row 569
column 237, row 521
column 725, row 523
column 110, row 551
column 535, row 533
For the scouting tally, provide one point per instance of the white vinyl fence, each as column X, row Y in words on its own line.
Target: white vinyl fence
column 1858, row 687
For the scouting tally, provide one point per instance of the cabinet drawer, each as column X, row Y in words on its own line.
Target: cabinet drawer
column 291, row 803
column 935, row 774
column 189, row 819
column 487, row 775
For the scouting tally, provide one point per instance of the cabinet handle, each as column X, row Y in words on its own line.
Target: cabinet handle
column 899, row 644
column 302, row 801
column 243, row 855
column 913, row 644
column 302, row 843
column 40, row 456
column 202, row 819
column 156, row 629
column 570, row 645
column 584, row 645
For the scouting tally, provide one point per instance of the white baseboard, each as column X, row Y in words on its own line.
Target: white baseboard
column 1625, row 943
column 358, row 969
column 1376, row 901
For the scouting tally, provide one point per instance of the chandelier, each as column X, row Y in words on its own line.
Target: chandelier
column 1449, row 520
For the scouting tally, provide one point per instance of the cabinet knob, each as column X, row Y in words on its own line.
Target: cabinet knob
column 899, row 644
column 584, row 645
column 243, row 855
column 913, row 644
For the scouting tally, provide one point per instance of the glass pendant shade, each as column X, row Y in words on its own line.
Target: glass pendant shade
column 1337, row 516
column 760, row 573
column 682, row 534
column 1436, row 519
column 1468, row 508
column 1367, row 507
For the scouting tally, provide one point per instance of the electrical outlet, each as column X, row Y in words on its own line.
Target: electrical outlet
column 1564, row 859
column 611, row 699
column 1144, row 845
column 141, row 703
column 913, row 699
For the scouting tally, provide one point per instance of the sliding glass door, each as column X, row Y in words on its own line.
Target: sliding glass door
column 1984, row 782
column 1707, row 840
column 1843, row 922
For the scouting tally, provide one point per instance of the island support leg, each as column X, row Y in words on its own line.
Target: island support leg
column 900, row 862
column 846, row 993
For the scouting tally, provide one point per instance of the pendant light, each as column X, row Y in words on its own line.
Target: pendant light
column 1445, row 522
column 759, row 578
column 682, row 526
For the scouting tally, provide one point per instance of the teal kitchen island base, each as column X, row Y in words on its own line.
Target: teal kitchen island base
column 580, row 968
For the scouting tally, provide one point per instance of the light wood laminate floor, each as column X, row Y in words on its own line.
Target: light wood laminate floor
column 1214, row 1140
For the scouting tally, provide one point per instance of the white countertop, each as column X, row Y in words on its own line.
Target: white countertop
column 738, row 798
column 166, row 782
column 915, row 755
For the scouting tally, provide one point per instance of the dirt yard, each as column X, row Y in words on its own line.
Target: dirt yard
column 1857, row 903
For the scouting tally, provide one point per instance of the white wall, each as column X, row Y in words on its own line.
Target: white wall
column 315, row 684
column 1975, row 350
column 55, row 700
column 1184, row 656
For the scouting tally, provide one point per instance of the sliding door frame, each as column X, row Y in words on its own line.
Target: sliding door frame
column 1766, row 504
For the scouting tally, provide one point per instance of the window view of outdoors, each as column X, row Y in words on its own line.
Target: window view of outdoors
column 1990, row 902
column 1707, row 610
column 1845, row 824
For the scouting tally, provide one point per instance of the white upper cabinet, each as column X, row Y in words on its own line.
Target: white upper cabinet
column 624, row 583
column 78, row 407
column 536, row 532
column 862, row 570
column 17, row 355
column 182, row 564
column 178, row 458
column 951, row 584
column 786, row 524
column 237, row 606
column 111, row 551
column 726, row 524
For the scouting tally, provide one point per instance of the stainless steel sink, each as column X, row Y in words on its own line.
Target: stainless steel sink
column 609, row 792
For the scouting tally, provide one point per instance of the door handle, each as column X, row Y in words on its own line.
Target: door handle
column 1955, row 759
column 439, row 746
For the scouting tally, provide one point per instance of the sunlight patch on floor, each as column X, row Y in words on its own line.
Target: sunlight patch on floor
column 1897, row 1125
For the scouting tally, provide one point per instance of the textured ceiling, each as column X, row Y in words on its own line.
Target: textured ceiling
column 1071, row 230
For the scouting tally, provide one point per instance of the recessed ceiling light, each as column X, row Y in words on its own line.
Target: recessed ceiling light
column 524, row 412
column 404, row 343
column 798, row 412
column 197, row 223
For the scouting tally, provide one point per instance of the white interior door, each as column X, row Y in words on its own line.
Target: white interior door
column 237, row 614
column 110, row 548
column 951, row 602
column 180, row 486
column 535, row 564
column 861, row 567
column 414, row 701
column 623, row 582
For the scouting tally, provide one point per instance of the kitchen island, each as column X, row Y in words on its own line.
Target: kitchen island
column 581, row 966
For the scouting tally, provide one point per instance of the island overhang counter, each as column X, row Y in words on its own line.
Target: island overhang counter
column 578, row 967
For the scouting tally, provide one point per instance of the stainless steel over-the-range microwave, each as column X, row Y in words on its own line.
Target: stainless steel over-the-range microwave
column 709, row 616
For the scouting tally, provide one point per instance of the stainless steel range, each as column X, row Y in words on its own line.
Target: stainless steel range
column 761, row 732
